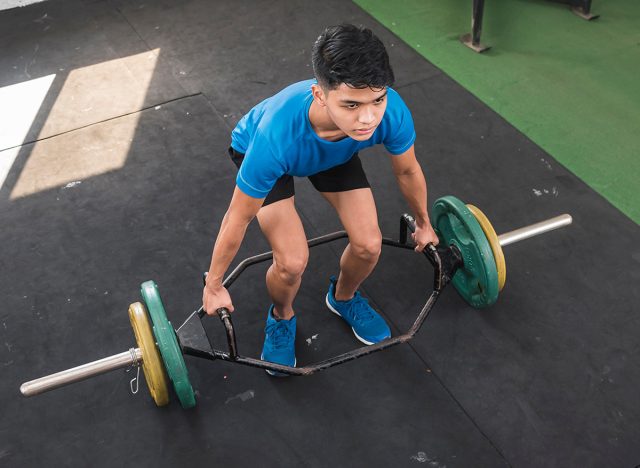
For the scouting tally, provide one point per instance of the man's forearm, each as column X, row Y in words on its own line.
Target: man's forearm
column 227, row 244
column 414, row 188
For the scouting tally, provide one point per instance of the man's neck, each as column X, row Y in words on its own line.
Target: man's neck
column 322, row 124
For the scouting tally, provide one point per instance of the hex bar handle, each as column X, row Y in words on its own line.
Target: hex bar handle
column 536, row 229
column 133, row 357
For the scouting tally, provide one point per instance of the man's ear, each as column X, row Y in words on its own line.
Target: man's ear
column 318, row 94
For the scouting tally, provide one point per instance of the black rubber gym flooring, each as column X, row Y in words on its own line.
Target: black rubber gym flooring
column 124, row 178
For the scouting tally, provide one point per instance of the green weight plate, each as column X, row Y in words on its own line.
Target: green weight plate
column 168, row 344
column 477, row 281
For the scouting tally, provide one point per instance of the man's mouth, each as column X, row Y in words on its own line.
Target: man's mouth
column 365, row 131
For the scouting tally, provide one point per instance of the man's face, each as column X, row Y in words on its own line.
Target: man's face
column 357, row 112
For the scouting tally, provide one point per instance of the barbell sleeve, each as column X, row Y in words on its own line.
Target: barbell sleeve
column 133, row 357
column 532, row 230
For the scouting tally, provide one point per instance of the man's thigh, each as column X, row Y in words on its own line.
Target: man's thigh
column 357, row 212
column 281, row 225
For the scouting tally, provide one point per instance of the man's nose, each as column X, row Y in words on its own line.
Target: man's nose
column 366, row 116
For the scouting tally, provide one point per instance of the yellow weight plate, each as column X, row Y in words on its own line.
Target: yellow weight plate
column 492, row 237
column 152, row 363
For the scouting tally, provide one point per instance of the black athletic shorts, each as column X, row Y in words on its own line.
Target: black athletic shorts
column 347, row 176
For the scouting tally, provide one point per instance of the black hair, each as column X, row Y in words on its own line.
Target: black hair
column 352, row 55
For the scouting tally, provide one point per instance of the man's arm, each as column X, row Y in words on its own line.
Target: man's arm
column 414, row 188
column 242, row 210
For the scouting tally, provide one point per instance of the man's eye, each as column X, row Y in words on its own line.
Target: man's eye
column 352, row 106
column 379, row 101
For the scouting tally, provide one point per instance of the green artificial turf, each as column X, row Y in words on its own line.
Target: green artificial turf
column 572, row 86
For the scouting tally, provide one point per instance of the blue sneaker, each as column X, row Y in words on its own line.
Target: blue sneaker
column 279, row 342
column 368, row 326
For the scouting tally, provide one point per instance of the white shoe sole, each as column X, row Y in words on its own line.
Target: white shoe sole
column 326, row 300
column 278, row 374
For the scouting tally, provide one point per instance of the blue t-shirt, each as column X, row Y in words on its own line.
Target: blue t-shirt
column 276, row 138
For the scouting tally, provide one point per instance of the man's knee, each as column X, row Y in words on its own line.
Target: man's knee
column 367, row 247
column 291, row 266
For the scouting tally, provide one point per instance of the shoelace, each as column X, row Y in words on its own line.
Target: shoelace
column 280, row 334
column 360, row 310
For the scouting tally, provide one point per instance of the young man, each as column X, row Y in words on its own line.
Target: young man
column 315, row 128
